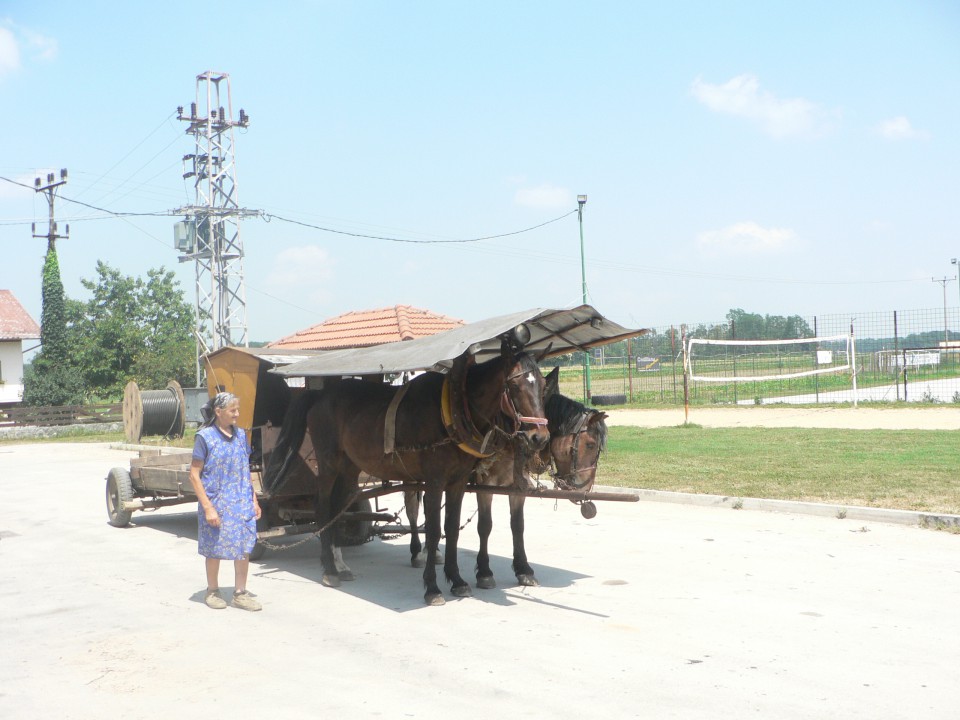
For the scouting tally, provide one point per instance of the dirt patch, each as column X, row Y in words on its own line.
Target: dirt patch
column 911, row 418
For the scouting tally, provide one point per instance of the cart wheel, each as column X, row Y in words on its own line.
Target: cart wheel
column 119, row 491
column 262, row 524
column 356, row 532
column 258, row 550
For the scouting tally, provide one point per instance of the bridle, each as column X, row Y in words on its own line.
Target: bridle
column 570, row 481
column 509, row 407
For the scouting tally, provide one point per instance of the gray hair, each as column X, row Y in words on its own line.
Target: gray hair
column 217, row 402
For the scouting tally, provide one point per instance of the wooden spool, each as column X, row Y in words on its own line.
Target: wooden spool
column 135, row 425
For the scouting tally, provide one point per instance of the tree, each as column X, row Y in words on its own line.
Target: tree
column 751, row 326
column 51, row 379
column 131, row 329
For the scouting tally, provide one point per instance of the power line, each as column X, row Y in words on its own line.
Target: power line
column 268, row 217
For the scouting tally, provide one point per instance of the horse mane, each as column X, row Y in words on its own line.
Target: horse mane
column 563, row 416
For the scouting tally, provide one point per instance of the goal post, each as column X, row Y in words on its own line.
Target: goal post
column 738, row 361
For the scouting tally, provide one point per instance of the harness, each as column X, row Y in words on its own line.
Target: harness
column 571, row 480
column 457, row 421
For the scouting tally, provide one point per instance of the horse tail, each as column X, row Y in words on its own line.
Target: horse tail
column 288, row 444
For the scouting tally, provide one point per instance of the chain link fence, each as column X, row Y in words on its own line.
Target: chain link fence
column 899, row 356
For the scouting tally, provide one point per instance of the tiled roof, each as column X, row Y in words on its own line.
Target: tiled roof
column 15, row 322
column 364, row 328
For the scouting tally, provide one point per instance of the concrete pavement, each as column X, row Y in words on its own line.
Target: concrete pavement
column 649, row 610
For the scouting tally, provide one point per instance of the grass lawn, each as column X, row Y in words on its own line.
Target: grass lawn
column 902, row 469
column 899, row 469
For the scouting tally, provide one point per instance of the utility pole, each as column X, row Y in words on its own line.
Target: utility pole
column 581, row 201
column 943, row 281
column 49, row 188
column 210, row 232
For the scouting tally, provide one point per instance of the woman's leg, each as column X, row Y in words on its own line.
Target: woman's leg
column 240, row 570
column 213, row 573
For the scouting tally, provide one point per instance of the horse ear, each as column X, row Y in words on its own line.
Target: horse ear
column 553, row 383
column 597, row 417
column 542, row 355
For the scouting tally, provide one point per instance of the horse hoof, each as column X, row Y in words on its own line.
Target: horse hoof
column 347, row 576
column 461, row 591
column 528, row 580
column 486, row 583
column 439, row 559
column 434, row 600
column 332, row 581
column 417, row 562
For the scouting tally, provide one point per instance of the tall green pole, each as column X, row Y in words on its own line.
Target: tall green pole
column 581, row 201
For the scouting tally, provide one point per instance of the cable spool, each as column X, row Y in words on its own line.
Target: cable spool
column 153, row 412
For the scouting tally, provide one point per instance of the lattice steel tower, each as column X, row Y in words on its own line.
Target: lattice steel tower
column 210, row 233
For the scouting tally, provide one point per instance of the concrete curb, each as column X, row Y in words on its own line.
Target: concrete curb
column 840, row 512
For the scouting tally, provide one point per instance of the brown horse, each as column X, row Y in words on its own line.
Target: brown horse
column 349, row 423
column 578, row 435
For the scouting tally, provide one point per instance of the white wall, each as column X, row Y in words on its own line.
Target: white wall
column 11, row 371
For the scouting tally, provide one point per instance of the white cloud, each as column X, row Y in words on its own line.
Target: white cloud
column 544, row 197
column 9, row 52
column 16, row 40
column 742, row 97
column 299, row 266
column 900, row 128
column 41, row 46
column 746, row 238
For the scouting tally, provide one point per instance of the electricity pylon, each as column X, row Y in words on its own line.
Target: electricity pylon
column 210, row 232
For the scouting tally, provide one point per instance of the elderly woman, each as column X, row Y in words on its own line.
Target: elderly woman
column 228, row 509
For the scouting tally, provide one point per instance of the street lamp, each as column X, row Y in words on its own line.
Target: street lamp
column 581, row 201
column 955, row 261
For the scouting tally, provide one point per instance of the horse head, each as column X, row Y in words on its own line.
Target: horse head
column 578, row 435
column 522, row 399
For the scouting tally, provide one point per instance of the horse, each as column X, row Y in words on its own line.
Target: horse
column 433, row 430
column 578, row 435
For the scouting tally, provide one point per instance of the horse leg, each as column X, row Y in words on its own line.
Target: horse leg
column 459, row 586
column 338, row 502
column 325, row 511
column 432, row 499
column 485, row 579
column 411, row 502
column 521, row 567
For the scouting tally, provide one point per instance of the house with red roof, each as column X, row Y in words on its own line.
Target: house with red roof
column 364, row 328
column 16, row 325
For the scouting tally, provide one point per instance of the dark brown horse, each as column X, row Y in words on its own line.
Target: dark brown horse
column 578, row 435
column 500, row 401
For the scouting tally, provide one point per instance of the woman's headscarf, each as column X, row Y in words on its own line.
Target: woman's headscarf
column 209, row 409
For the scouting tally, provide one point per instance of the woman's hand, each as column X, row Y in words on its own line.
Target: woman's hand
column 256, row 508
column 212, row 517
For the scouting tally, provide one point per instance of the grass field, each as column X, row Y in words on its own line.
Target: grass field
column 899, row 469
column 904, row 469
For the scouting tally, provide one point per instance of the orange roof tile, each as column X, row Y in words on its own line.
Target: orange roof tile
column 364, row 328
column 15, row 322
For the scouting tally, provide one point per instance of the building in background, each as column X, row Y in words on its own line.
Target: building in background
column 16, row 325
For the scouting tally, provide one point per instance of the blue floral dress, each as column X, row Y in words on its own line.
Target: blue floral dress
column 226, row 481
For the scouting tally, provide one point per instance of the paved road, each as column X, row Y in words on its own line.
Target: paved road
column 650, row 610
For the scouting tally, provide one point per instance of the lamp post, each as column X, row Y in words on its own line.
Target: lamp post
column 581, row 201
column 955, row 261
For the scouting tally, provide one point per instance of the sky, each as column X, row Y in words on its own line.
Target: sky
column 781, row 158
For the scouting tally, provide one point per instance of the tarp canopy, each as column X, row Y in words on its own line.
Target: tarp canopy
column 563, row 331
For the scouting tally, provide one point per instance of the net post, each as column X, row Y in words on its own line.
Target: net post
column 853, row 363
column 686, row 385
